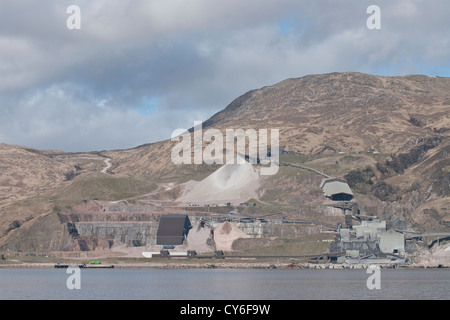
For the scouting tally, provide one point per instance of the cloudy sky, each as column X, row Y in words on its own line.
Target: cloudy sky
column 136, row 70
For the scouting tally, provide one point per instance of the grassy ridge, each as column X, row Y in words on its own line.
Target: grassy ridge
column 102, row 187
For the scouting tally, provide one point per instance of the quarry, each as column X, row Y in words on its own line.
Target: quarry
column 211, row 219
column 362, row 176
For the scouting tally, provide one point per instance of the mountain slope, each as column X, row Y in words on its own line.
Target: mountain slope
column 327, row 122
column 346, row 112
column 28, row 172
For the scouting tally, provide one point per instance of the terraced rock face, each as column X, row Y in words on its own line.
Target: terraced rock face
column 107, row 234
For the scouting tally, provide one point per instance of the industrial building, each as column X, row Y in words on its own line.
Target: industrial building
column 368, row 240
column 336, row 189
column 172, row 229
column 391, row 242
column 369, row 230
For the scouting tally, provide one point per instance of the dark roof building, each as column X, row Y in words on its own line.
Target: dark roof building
column 172, row 229
column 336, row 189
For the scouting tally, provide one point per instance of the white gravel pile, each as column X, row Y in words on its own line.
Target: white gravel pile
column 234, row 183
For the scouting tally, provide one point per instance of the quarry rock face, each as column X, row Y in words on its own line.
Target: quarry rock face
column 110, row 234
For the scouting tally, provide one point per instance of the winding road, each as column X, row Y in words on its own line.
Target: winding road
column 305, row 168
column 108, row 165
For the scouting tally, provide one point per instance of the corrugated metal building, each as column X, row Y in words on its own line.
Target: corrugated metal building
column 392, row 242
column 173, row 229
column 370, row 229
column 336, row 189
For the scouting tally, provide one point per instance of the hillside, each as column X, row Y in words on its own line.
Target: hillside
column 330, row 122
column 28, row 172
column 339, row 112
column 388, row 136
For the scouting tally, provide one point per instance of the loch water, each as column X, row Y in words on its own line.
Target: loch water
column 224, row 284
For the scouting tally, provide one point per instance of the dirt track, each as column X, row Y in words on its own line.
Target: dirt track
column 108, row 165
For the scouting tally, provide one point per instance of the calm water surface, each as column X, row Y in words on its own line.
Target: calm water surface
column 205, row 284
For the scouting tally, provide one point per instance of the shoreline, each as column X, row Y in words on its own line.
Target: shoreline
column 226, row 265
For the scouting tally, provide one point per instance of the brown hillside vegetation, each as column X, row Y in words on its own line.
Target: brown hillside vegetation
column 346, row 112
column 388, row 136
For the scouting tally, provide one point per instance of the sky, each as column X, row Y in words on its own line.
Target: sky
column 133, row 71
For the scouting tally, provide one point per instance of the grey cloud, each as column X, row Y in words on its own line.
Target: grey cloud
column 58, row 87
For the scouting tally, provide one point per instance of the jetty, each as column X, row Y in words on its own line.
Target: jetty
column 84, row 266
